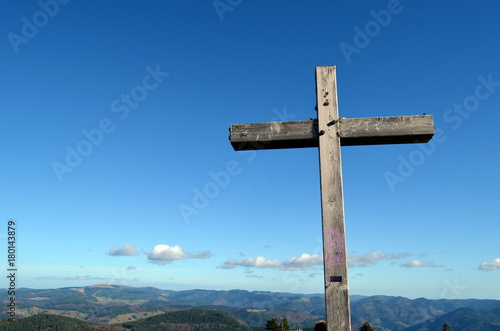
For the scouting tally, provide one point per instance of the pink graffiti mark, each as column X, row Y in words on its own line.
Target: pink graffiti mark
column 334, row 243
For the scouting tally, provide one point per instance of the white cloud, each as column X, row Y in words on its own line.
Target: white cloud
column 305, row 261
column 165, row 254
column 126, row 250
column 251, row 262
column 302, row 262
column 368, row 260
column 131, row 268
column 413, row 264
column 396, row 256
column 202, row 255
column 418, row 264
column 294, row 263
column 488, row 266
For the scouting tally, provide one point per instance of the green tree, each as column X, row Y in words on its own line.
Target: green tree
column 273, row 325
column 366, row 327
column 284, row 325
column 445, row 327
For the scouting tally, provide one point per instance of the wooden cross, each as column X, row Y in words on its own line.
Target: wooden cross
column 329, row 132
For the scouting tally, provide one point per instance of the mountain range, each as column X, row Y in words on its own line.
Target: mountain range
column 121, row 306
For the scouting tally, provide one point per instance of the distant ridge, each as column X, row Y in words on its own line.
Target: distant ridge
column 463, row 319
column 399, row 313
column 116, row 304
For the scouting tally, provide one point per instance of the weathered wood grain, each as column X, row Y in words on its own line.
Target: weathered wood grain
column 274, row 135
column 329, row 132
column 352, row 131
column 332, row 202
column 386, row 130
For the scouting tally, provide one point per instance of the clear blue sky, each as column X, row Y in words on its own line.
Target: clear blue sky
column 115, row 117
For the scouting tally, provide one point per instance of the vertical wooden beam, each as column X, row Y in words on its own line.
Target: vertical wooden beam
column 332, row 203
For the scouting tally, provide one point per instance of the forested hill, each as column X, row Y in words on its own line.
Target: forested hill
column 184, row 320
column 463, row 319
column 115, row 305
column 190, row 320
column 45, row 322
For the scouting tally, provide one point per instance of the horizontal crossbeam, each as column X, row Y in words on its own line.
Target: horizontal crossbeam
column 353, row 131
